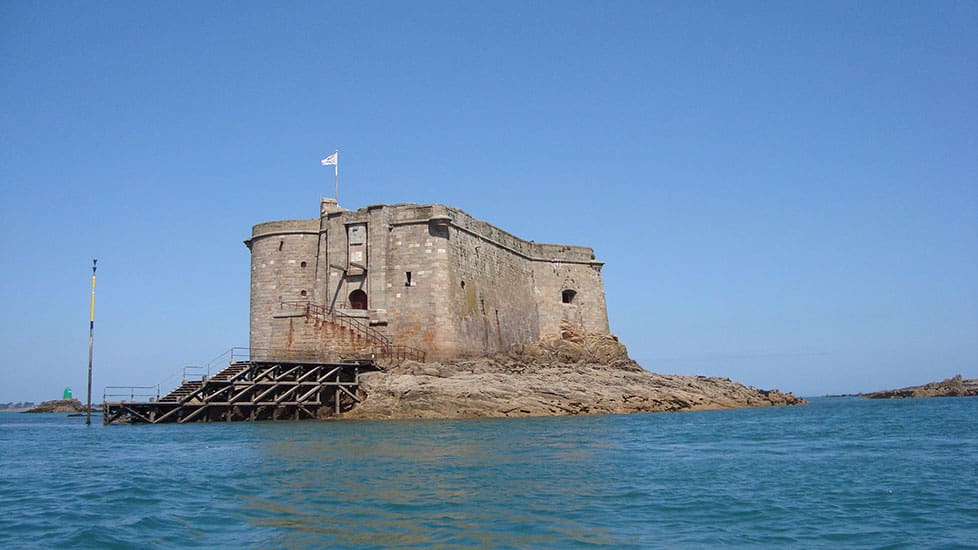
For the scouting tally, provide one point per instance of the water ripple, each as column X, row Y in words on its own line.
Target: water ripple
column 838, row 472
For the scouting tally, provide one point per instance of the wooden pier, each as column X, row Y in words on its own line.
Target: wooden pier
column 248, row 391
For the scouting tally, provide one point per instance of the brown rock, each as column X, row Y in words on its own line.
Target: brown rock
column 577, row 374
column 58, row 406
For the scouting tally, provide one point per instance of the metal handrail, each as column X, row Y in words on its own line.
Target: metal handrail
column 244, row 355
column 221, row 361
column 132, row 392
column 340, row 318
column 387, row 347
column 195, row 372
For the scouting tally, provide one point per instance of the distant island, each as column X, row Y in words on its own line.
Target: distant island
column 16, row 407
column 949, row 387
column 58, row 406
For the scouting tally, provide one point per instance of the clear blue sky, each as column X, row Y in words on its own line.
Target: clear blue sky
column 785, row 193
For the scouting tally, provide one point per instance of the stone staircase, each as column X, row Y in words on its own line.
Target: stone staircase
column 353, row 338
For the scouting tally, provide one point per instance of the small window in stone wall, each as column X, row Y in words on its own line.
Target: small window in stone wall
column 303, row 293
column 407, row 278
column 568, row 296
column 357, row 234
column 281, row 244
column 303, row 264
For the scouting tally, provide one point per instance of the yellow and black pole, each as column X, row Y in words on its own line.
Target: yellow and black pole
column 91, row 342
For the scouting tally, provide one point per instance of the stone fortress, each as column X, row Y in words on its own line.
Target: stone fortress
column 400, row 310
column 426, row 279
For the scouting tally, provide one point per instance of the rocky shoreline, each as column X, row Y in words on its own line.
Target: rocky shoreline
column 949, row 387
column 575, row 374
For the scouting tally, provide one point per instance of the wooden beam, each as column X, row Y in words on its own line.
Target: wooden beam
column 284, row 395
column 242, row 374
column 208, row 398
column 327, row 375
column 110, row 419
column 346, row 391
column 311, row 372
column 310, row 413
column 189, row 417
column 169, row 413
column 133, row 412
column 288, row 372
column 264, row 393
column 306, row 395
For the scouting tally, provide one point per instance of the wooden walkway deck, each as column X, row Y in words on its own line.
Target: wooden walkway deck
column 250, row 391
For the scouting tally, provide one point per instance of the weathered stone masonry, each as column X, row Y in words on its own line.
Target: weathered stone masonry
column 430, row 277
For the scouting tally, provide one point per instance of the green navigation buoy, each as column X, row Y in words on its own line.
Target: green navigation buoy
column 67, row 393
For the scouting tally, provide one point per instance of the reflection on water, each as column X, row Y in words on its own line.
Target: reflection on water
column 487, row 482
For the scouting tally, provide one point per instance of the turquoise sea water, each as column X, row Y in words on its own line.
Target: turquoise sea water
column 839, row 472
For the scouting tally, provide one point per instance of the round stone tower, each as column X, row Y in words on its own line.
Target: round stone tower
column 283, row 270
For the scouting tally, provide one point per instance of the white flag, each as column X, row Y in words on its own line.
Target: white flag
column 331, row 160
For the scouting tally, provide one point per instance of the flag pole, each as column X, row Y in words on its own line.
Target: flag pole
column 334, row 159
column 91, row 342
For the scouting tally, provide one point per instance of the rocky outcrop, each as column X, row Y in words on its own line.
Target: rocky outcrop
column 58, row 406
column 949, row 387
column 574, row 374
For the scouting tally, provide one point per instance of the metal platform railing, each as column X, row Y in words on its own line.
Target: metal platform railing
column 131, row 393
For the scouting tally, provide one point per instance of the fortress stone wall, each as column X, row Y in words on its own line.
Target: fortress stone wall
column 430, row 277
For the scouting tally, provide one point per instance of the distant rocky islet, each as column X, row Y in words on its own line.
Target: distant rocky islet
column 58, row 406
column 955, row 386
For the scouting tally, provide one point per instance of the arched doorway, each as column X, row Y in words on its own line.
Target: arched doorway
column 358, row 299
